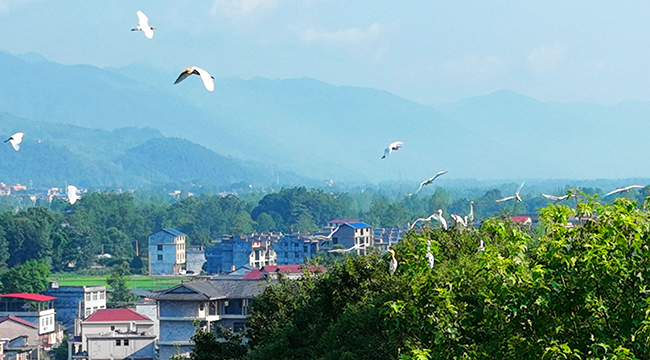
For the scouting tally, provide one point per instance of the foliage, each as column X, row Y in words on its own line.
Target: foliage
column 218, row 344
column 117, row 281
column 30, row 277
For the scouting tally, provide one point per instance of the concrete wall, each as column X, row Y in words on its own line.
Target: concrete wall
column 107, row 348
column 150, row 310
column 10, row 330
column 180, row 309
column 69, row 298
column 170, row 264
column 195, row 259
column 222, row 256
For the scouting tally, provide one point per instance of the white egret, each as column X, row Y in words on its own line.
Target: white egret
column 208, row 80
column 481, row 246
column 516, row 196
column 143, row 25
column 441, row 219
column 432, row 259
column 459, row 221
column 624, row 189
column 421, row 219
column 392, row 267
column 431, row 180
column 558, row 198
column 392, row 147
column 73, row 196
column 15, row 140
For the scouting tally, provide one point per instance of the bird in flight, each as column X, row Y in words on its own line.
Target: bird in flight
column 516, row 196
column 431, row 180
column 558, row 198
column 15, row 140
column 143, row 25
column 208, row 80
column 71, row 191
column 421, row 219
column 392, row 147
column 624, row 189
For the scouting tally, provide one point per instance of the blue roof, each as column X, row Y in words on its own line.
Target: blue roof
column 173, row 232
column 358, row 225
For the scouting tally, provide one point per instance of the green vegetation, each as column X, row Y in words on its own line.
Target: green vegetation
column 557, row 292
column 135, row 282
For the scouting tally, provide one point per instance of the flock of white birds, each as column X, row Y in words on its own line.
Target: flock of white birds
column 72, row 191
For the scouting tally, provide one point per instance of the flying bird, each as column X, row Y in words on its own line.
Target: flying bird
column 208, row 80
column 558, row 198
column 143, row 25
column 71, row 191
column 516, row 196
column 392, row 147
column 431, row 180
column 623, row 189
column 392, row 267
column 15, row 140
column 421, row 219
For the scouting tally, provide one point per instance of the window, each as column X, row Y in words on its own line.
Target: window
column 296, row 255
column 112, row 327
column 304, row 249
column 160, row 257
column 87, row 312
column 101, row 295
column 87, row 296
column 94, row 296
column 94, row 308
column 335, row 240
column 159, row 247
column 126, row 342
column 118, row 342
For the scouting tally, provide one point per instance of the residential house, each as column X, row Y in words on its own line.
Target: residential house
column 195, row 259
column 355, row 235
column 76, row 301
column 230, row 253
column 114, row 334
column 12, row 327
column 19, row 348
column 385, row 238
column 167, row 254
column 296, row 248
column 210, row 302
column 36, row 309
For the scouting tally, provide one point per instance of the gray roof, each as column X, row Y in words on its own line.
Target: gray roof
column 212, row 290
column 173, row 232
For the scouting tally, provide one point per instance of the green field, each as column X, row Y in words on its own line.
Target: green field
column 136, row 282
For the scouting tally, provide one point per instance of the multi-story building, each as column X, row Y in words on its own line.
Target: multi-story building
column 195, row 259
column 295, row 248
column 167, row 255
column 230, row 253
column 385, row 238
column 209, row 302
column 76, row 301
column 114, row 334
column 355, row 235
column 36, row 309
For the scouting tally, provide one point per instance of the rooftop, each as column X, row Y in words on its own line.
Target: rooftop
column 18, row 320
column 358, row 225
column 211, row 290
column 116, row 315
column 27, row 296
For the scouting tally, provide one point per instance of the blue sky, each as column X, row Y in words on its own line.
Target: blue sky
column 427, row 51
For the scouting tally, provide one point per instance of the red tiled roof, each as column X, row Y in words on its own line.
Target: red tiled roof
column 18, row 320
column 116, row 315
column 520, row 219
column 27, row 296
column 254, row 274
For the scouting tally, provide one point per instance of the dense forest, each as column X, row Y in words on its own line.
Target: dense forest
column 498, row 291
column 113, row 223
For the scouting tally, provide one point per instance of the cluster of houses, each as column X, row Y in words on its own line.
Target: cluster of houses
column 162, row 323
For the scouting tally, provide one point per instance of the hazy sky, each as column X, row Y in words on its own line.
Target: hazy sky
column 427, row 51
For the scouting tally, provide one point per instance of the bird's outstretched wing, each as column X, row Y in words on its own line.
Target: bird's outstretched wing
column 520, row 187
column 505, row 199
column 386, row 152
column 438, row 175
column 208, row 80
column 551, row 197
column 143, row 20
column 182, row 76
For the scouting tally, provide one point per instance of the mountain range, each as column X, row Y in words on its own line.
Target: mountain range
column 308, row 129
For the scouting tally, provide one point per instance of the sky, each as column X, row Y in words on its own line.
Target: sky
column 423, row 50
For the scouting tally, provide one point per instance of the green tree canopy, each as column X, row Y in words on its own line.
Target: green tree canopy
column 30, row 277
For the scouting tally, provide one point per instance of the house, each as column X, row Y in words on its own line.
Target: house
column 36, row 309
column 385, row 238
column 76, row 301
column 19, row 348
column 230, row 253
column 295, row 248
column 12, row 327
column 114, row 334
column 195, row 259
column 167, row 254
column 210, row 303
column 356, row 235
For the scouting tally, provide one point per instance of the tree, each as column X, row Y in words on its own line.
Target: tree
column 305, row 223
column 265, row 223
column 219, row 344
column 30, row 277
column 117, row 281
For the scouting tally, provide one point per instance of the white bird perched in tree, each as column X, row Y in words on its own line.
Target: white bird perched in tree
column 208, row 80
column 624, row 189
column 441, row 219
column 392, row 147
column 431, row 179
column 15, row 140
column 429, row 255
column 481, row 246
column 73, row 196
column 392, row 267
column 470, row 217
column 558, row 198
column 458, row 220
column 143, row 25
column 516, row 196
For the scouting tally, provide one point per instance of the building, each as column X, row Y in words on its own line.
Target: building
column 195, row 259
column 295, row 248
column 76, row 301
column 36, row 309
column 114, row 334
column 295, row 271
column 210, row 302
column 230, row 253
column 12, row 327
column 385, row 238
column 356, row 235
column 18, row 348
column 167, row 254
